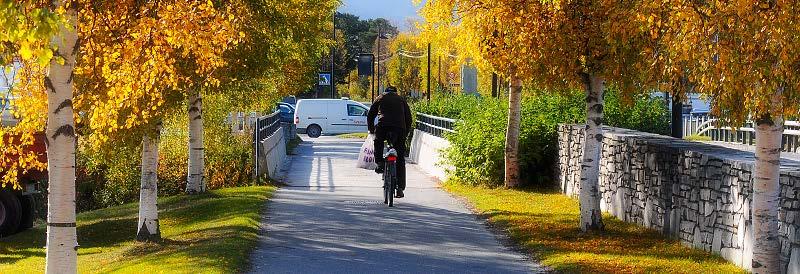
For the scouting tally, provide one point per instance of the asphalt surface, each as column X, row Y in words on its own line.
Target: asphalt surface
column 331, row 219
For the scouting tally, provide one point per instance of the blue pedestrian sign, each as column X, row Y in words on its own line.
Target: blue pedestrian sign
column 325, row 79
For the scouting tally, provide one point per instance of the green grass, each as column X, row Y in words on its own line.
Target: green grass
column 699, row 138
column 359, row 135
column 208, row 233
column 545, row 223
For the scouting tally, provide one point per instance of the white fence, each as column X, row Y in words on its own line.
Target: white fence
column 435, row 125
column 269, row 145
column 428, row 143
column 709, row 126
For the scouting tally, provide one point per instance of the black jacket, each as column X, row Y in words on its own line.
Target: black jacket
column 392, row 110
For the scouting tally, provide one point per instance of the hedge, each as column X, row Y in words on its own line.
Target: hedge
column 477, row 151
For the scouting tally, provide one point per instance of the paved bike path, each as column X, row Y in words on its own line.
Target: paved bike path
column 331, row 219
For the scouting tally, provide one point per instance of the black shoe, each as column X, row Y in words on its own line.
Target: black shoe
column 379, row 169
column 399, row 194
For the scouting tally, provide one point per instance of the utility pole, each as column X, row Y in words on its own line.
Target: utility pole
column 429, row 72
column 440, row 71
column 333, row 54
column 373, row 80
column 378, row 71
column 494, row 85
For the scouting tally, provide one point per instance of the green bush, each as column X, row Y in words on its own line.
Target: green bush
column 644, row 113
column 477, row 150
column 446, row 105
column 111, row 177
column 108, row 177
column 227, row 155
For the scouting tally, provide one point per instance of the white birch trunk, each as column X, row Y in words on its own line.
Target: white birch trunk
column 766, row 193
column 512, row 133
column 148, row 228
column 194, row 181
column 62, row 240
column 591, row 218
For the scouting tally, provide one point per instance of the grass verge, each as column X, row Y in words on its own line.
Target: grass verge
column 208, row 233
column 359, row 135
column 545, row 224
column 698, row 138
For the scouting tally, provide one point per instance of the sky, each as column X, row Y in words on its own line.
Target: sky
column 396, row 11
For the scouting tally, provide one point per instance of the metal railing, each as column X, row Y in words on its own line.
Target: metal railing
column 435, row 125
column 708, row 126
column 264, row 128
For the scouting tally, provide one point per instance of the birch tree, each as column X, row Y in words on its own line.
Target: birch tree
column 148, row 226
column 148, row 50
column 555, row 45
column 194, row 182
column 213, row 31
column 475, row 29
column 512, row 131
column 62, row 238
column 748, row 59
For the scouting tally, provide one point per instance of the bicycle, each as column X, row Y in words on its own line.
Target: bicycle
column 389, row 175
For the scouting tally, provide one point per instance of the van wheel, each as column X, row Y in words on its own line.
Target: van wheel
column 10, row 213
column 314, row 131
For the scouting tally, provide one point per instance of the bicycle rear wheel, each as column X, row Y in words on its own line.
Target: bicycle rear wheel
column 392, row 185
column 386, row 186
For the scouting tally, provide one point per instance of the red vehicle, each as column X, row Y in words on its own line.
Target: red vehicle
column 17, row 205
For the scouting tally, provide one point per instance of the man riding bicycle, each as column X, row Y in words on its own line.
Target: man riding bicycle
column 394, row 121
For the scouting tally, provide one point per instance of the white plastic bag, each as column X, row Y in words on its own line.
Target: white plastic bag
column 366, row 156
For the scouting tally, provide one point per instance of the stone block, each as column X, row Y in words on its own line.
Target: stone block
column 716, row 243
column 708, row 208
column 792, row 217
column 794, row 261
column 744, row 176
column 697, row 239
column 747, row 249
column 674, row 222
column 731, row 254
column 705, row 194
column 727, row 239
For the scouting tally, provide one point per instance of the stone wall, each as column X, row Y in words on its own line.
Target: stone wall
column 698, row 193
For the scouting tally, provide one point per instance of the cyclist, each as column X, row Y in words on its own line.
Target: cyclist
column 394, row 121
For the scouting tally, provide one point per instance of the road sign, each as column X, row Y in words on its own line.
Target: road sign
column 325, row 79
column 469, row 79
column 365, row 64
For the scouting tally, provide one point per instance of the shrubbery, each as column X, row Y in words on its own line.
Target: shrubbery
column 446, row 104
column 108, row 178
column 477, row 150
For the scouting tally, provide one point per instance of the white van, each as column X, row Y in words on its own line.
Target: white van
column 330, row 116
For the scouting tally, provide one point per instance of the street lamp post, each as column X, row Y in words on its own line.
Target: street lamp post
column 333, row 54
column 429, row 72
column 378, row 62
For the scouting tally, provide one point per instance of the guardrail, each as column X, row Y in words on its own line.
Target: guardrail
column 435, row 125
column 264, row 128
column 707, row 126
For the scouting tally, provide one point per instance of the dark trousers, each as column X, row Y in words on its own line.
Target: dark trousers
column 397, row 138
